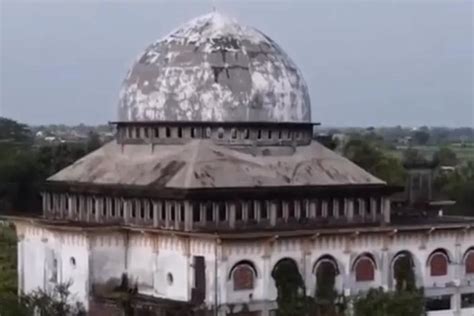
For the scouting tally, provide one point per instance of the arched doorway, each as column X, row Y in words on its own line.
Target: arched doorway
column 403, row 271
column 290, row 287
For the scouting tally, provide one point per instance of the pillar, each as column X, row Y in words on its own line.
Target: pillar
column 188, row 216
column 349, row 209
column 386, row 210
column 312, row 208
column 272, row 208
column 156, row 211
column 373, row 208
column 126, row 210
column 231, row 214
column 335, row 205
column 324, row 208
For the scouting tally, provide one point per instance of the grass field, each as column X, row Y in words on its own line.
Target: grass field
column 463, row 153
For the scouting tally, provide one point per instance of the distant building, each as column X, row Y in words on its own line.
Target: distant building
column 213, row 184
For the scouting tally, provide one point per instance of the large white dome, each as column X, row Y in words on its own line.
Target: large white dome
column 214, row 69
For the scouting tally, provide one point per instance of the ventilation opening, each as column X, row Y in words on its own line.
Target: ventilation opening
column 157, row 132
column 168, row 132
column 180, row 132
column 145, row 130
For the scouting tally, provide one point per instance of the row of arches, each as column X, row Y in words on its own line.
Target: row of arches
column 363, row 268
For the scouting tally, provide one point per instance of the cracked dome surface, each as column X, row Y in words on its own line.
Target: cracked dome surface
column 214, row 69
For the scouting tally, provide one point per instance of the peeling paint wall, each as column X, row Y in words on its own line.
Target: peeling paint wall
column 214, row 69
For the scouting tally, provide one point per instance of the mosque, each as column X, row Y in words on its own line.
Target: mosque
column 214, row 181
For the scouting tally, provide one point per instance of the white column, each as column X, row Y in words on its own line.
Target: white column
column 349, row 209
column 272, row 208
column 386, row 209
column 231, row 214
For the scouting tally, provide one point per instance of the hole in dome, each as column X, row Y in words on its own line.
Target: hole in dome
column 269, row 134
column 169, row 278
column 168, row 132
column 259, row 134
column 180, row 132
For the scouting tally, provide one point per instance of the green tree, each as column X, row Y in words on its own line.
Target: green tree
column 57, row 302
column 421, row 137
column 445, row 157
column 413, row 157
column 375, row 161
column 377, row 302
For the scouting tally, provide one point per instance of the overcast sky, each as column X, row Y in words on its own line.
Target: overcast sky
column 365, row 62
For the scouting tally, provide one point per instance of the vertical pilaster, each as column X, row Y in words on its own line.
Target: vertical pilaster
column 188, row 216
column 126, row 210
column 349, row 208
column 335, row 205
column 386, row 210
column 155, row 209
column 324, row 208
column 231, row 214
column 272, row 208
column 312, row 208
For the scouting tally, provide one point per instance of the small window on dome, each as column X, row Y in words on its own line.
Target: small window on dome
column 246, row 134
column 180, row 132
column 145, row 130
column 157, row 132
column 137, row 132
column 168, row 132
column 270, row 134
column 193, row 132
column 259, row 134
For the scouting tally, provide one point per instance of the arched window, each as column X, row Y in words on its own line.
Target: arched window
column 243, row 276
column 469, row 261
column 438, row 262
column 364, row 268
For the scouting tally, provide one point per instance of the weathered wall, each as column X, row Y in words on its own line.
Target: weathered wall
column 162, row 265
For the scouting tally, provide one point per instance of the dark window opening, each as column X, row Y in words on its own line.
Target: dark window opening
column 269, row 134
column 251, row 210
column 467, row 300
column 319, row 208
column 246, row 134
column 279, row 209
column 180, row 132
column 104, row 207
column 331, row 210
column 368, row 206
column 357, row 211
column 142, row 209
column 238, row 211
column 157, row 132
column 137, row 132
column 259, row 134
column 193, row 132
column 196, row 212
column 233, row 133
column 438, row 303
column 209, row 212
column 303, row 209
column 280, row 134
column 172, row 212
column 438, row 263
column 341, row 205
column 145, row 130
column 289, row 135
column 291, row 209
column 181, row 211
column 208, row 132
column 168, row 132
column 263, row 210
column 112, row 208
column 222, row 212
column 151, row 210
column 130, row 132
column 163, row 210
